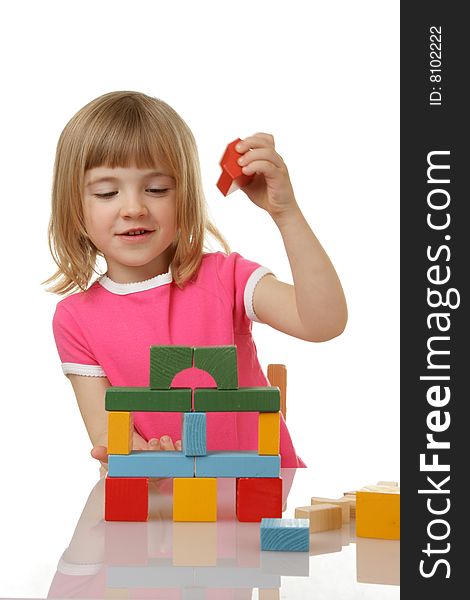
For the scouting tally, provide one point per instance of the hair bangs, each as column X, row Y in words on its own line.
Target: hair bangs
column 124, row 137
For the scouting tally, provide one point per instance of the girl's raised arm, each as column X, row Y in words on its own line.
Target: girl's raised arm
column 314, row 308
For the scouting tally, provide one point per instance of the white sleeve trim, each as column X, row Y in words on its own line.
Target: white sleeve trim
column 86, row 370
column 252, row 282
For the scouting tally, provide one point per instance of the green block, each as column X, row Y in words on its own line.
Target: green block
column 221, row 363
column 249, row 399
column 166, row 362
column 148, row 400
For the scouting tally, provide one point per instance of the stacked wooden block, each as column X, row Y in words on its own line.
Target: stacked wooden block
column 194, row 469
column 325, row 514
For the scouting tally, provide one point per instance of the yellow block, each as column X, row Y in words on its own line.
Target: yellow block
column 195, row 499
column 120, row 429
column 269, row 433
column 378, row 515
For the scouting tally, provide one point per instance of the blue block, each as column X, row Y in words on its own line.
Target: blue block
column 194, row 434
column 237, row 464
column 151, row 464
column 285, row 535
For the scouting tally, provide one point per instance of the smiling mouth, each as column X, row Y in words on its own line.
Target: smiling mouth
column 135, row 232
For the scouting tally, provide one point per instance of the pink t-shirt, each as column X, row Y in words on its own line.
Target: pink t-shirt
column 107, row 331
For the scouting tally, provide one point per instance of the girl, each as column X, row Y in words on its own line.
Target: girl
column 127, row 187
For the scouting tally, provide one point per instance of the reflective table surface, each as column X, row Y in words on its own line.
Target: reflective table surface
column 221, row 560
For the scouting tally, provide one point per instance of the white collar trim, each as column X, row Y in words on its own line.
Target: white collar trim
column 138, row 286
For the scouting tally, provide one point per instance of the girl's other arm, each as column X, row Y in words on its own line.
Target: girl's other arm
column 90, row 393
column 314, row 308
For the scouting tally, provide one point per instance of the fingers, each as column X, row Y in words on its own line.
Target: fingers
column 164, row 443
column 261, row 154
column 100, row 453
column 154, row 444
column 257, row 140
column 264, row 167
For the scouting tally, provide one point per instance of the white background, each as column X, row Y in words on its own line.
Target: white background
column 322, row 77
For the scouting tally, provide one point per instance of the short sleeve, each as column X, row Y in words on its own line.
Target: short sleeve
column 76, row 357
column 239, row 276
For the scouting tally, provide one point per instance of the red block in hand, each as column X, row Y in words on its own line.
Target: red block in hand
column 232, row 176
column 259, row 497
column 126, row 499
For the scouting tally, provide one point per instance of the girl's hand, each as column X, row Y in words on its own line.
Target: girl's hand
column 271, row 187
column 164, row 443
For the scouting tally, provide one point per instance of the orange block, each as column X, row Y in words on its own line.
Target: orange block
column 269, row 433
column 195, row 499
column 120, row 430
column 232, row 176
column 277, row 375
column 378, row 515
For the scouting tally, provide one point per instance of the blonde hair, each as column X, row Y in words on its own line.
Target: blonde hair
column 120, row 129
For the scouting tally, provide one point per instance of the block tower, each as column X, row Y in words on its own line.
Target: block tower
column 194, row 469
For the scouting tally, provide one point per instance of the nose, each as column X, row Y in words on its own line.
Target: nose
column 132, row 205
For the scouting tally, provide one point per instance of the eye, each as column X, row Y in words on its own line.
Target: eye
column 158, row 190
column 106, row 195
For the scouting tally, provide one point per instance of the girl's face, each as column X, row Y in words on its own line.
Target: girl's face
column 130, row 217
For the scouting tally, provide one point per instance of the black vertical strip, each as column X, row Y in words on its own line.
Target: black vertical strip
column 427, row 128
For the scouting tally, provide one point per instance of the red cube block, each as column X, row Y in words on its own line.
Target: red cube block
column 259, row 497
column 126, row 499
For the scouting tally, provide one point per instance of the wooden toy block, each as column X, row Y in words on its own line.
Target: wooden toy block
column 237, row 464
column 384, row 489
column 195, row 499
column 249, row 399
column 151, row 464
column 258, row 497
column 285, row 535
column 269, row 432
column 147, row 400
column 232, row 176
column 126, row 499
column 378, row 515
column 194, row 434
column 166, row 362
column 322, row 517
column 277, row 376
column 120, row 430
column 221, row 363
column 351, row 498
column 343, row 503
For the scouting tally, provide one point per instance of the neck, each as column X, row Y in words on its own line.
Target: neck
column 120, row 273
